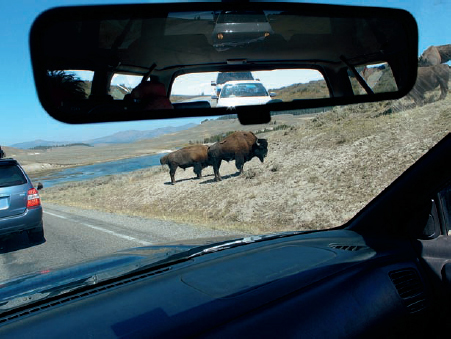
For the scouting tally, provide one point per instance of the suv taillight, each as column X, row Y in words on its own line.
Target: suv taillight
column 33, row 199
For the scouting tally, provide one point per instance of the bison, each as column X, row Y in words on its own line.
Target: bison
column 435, row 55
column 429, row 78
column 241, row 146
column 191, row 156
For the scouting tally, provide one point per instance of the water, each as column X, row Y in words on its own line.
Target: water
column 98, row 170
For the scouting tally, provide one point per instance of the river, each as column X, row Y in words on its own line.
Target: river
column 98, row 170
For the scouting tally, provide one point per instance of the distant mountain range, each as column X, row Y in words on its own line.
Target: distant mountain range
column 39, row 142
column 116, row 138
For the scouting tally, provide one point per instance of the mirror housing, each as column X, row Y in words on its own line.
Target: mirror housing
column 161, row 41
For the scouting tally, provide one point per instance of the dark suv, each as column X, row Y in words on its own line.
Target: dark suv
column 240, row 28
column 224, row 77
column 20, row 204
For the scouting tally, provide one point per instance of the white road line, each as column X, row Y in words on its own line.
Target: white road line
column 119, row 235
column 55, row 215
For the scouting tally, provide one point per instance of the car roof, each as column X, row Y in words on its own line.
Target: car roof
column 8, row 161
column 236, row 82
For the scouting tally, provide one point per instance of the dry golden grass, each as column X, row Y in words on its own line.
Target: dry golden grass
column 316, row 175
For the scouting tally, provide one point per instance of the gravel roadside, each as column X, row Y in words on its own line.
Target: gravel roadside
column 161, row 230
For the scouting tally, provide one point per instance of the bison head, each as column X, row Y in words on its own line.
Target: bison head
column 423, row 62
column 164, row 159
column 261, row 149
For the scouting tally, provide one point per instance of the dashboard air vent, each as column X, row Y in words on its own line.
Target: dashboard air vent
column 410, row 289
column 345, row 247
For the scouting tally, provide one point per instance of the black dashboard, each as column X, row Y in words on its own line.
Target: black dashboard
column 334, row 284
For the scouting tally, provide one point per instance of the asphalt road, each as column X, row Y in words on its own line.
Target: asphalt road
column 75, row 235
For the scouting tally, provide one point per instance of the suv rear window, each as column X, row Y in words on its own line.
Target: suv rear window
column 11, row 175
column 230, row 76
column 241, row 17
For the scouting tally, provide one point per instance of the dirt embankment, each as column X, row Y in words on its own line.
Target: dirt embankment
column 316, row 175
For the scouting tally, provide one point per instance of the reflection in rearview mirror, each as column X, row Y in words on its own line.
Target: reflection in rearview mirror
column 231, row 89
column 183, row 60
column 378, row 78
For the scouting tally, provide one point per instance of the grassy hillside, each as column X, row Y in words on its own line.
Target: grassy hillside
column 311, row 90
column 317, row 174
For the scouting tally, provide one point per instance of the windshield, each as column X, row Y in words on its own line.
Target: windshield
column 108, row 187
column 243, row 90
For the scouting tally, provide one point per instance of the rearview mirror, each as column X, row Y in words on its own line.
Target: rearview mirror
column 153, row 61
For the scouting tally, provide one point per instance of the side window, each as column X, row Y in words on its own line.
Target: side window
column 123, row 84
column 69, row 85
column 378, row 77
column 444, row 197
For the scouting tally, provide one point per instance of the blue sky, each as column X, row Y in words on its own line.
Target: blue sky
column 23, row 119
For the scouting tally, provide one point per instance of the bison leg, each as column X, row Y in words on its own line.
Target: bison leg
column 216, row 165
column 172, row 170
column 443, row 88
column 198, row 170
column 418, row 98
column 239, row 163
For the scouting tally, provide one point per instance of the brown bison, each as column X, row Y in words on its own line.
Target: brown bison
column 435, row 55
column 429, row 78
column 241, row 146
column 190, row 156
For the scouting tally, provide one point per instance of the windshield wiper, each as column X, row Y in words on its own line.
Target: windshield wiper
column 245, row 241
column 357, row 75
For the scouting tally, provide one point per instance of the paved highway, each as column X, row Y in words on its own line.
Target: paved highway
column 74, row 235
